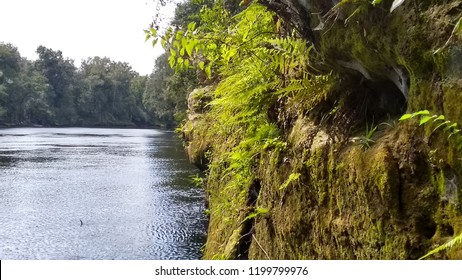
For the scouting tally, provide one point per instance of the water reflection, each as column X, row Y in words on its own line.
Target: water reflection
column 130, row 188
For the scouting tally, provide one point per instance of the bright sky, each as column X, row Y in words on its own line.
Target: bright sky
column 82, row 29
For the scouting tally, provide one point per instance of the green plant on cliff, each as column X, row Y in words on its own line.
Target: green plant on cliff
column 293, row 177
column 451, row 129
column 252, row 64
column 257, row 212
column 366, row 140
column 255, row 66
column 457, row 241
column 441, row 123
column 274, row 142
column 197, row 180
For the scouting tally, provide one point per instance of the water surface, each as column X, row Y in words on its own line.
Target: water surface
column 90, row 193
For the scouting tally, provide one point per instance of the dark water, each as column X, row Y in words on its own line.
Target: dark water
column 131, row 189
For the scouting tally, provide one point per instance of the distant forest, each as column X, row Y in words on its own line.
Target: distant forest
column 51, row 91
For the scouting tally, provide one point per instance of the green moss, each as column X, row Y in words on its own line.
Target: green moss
column 384, row 202
column 452, row 102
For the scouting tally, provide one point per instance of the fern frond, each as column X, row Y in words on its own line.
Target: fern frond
column 453, row 242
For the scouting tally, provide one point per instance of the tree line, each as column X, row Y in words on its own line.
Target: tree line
column 51, row 91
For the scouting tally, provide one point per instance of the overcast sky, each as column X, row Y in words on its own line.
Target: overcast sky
column 82, row 29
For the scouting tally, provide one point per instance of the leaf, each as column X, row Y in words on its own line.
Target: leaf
column 456, row 131
column 376, row 2
column 456, row 240
column 191, row 26
column 148, row 36
column 153, row 32
column 179, row 35
column 171, row 61
column 169, row 31
column 184, row 42
column 176, row 44
column 189, row 47
column 409, row 116
column 440, row 118
column 440, row 125
column 406, row 117
column 172, row 53
column 201, row 65
column 154, row 42
column 454, row 125
column 208, row 71
column 425, row 119
column 396, row 4
column 371, row 132
column 423, row 112
column 257, row 212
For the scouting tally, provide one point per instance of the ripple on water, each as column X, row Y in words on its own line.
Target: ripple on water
column 130, row 188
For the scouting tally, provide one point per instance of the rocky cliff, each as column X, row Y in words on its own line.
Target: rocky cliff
column 343, row 178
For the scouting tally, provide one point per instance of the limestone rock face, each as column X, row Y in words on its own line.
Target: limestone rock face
column 196, row 143
column 351, row 182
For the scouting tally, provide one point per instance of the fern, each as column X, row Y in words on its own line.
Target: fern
column 453, row 242
column 258, row 211
column 251, row 67
column 292, row 178
column 447, row 126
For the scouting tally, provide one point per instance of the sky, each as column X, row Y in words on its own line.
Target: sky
column 82, row 29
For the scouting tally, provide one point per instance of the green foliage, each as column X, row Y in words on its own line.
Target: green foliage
column 249, row 65
column 452, row 130
column 51, row 91
column 456, row 241
column 439, row 121
column 60, row 73
column 198, row 181
column 110, row 92
column 257, row 212
column 166, row 92
column 294, row 177
column 24, row 90
column 366, row 140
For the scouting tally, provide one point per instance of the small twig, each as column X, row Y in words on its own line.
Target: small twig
column 258, row 243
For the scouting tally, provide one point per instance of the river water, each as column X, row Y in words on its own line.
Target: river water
column 91, row 193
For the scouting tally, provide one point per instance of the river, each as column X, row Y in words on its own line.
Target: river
column 91, row 193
